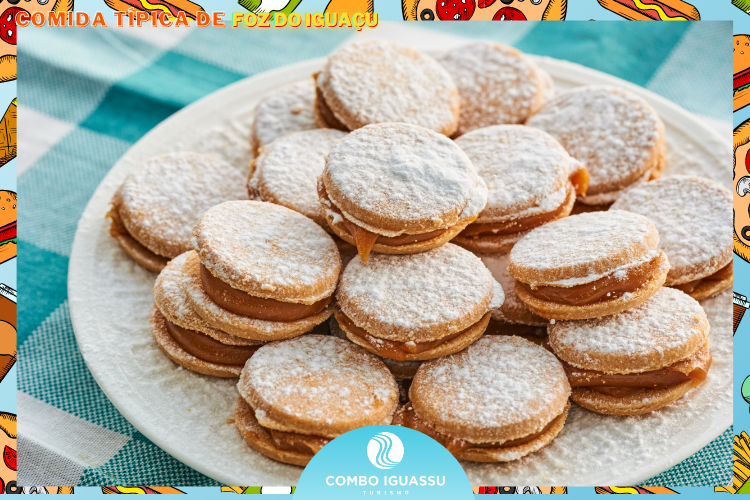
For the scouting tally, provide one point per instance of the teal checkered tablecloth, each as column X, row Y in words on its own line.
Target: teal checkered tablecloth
column 85, row 95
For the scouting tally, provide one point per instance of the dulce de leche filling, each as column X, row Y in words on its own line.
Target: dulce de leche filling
column 325, row 112
column 364, row 239
column 720, row 275
column 408, row 418
column 209, row 349
column 694, row 368
column 117, row 228
column 244, row 304
column 391, row 348
column 610, row 287
column 580, row 182
column 292, row 441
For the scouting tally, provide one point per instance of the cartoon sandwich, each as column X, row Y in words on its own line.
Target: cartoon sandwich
column 741, row 63
column 7, row 225
column 652, row 10
column 8, row 12
column 484, row 10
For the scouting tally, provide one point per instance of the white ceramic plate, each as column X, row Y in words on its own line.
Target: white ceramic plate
column 186, row 414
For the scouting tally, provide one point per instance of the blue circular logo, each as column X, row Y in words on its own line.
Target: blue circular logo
column 385, row 450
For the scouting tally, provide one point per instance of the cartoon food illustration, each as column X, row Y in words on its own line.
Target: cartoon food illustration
column 634, row 490
column 8, row 13
column 741, row 467
column 739, row 305
column 259, row 490
column 652, row 10
column 521, row 490
column 46, row 490
column 8, row 148
column 743, row 5
column 741, row 65
column 142, row 490
column 741, row 176
column 8, row 445
column 171, row 7
column 271, row 6
column 7, row 225
column 484, row 10
column 7, row 360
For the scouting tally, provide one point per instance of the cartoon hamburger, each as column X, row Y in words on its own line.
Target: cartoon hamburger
column 741, row 59
column 484, row 10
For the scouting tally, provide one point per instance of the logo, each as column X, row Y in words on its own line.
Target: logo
column 385, row 450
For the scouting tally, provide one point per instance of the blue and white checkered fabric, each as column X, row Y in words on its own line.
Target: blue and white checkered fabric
column 86, row 95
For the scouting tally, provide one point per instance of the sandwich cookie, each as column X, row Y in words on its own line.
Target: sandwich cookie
column 531, row 180
column 636, row 361
column 286, row 173
column 497, row 84
column 378, row 81
column 417, row 307
column 397, row 188
column 262, row 271
column 617, row 136
column 186, row 338
column 401, row 370
column 299, row 394
column 692, row 217
column 496, row 401
column 588, row 265
column 157, row 205
column 289, row 109
column 512, row 318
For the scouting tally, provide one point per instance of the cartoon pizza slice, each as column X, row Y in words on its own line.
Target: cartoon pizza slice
column 9, row 9
column 484, row 10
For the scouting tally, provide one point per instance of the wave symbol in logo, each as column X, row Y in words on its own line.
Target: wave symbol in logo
column 385, row 450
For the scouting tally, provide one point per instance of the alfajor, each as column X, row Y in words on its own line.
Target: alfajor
column 497, row 84
column 379, row 81
column 531, row 181
column 588, row 265
column 692, row 217
column 617, row 136
column 157, row 205
column 512, row 317
column 261, row 271
column 397, row 188
column 186, row 338
column 288, row 109
column 636, row 361
column 419, row 306
column 496, row 401
column 299, row 394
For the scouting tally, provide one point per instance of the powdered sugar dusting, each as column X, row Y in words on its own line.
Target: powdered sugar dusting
column 694, row 219
column 287, row 170
column 651, row 335
column 403, row 296
column 268, row 249
column 612, row 131
column 495, row 382
column 522, row 168
column 378, row 81
column 319, row 378
column 580, row 242
column 289, row 109
column 406, row 172
column 497, row 84
column 163, row 197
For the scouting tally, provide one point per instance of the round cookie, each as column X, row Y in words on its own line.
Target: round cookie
column 378, row 81
column 638, row 360
column 299, row 394
column 496, row 401
column 531, row 179
column 193, row 336
column 401, row 370
column 262, row 271
column 588, row 265
column 497, row 84
column 398, row 188
column 512, row 318
column 692, row 217
column 286, row 171
column 288, row 109
column 417, row 307
column 157, row 205
column 617, row 136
